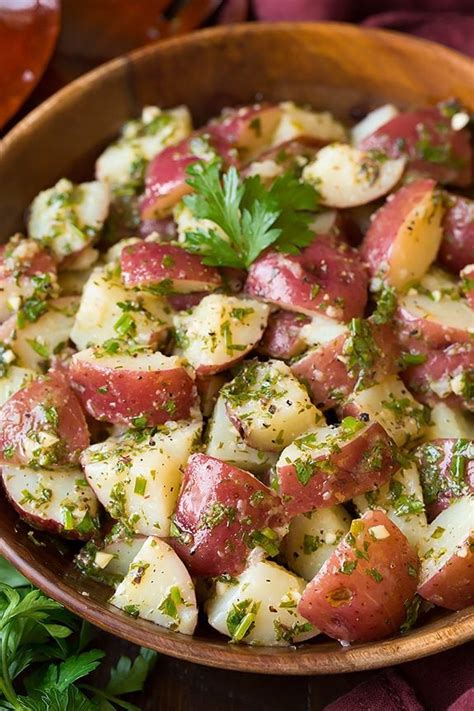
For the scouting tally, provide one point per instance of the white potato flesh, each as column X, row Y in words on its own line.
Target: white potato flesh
column 220, row 330
column 260, row 607
column 296, row 122
column 347, row 177
column 141, row 140
column 37, row 342
column 323, row 441
column 187, row 222
column 448, row 422
column 15, row 379
column 447, row 535
column 224, row 442
column 58, row 500
column 322, row 329
column 437, row 300
column 312, row 538
column 99, row 312
column 139, row 481
column 394, row 407
column 269, row 406
column 115, row 558
column 158, row 588
column 372, row 122
column 416, row 243
column 402, row 500
column 67, row 217
column 141, row 362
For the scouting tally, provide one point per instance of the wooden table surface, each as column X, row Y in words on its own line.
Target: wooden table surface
column 179, row 686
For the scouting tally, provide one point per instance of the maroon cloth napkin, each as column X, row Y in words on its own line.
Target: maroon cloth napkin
column 444, row 682
column 450, row 22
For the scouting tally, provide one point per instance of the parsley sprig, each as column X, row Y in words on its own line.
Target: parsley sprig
column 43, row 654
column 251, row 216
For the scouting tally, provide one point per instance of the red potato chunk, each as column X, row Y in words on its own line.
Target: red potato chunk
column 166, row 176
column 282, row 337
column 432, row 314
column 444, row 376
column 43, row 425
column 432, row 146
column 326, row 278
column 219, row 332
column 222, row 514
column 447, row 555
column 248, row 128
column 446, row 468
column 404, row 235
column 59, row 501
column 164, row 268
column 143, row 389
column 356, row 359
column 26, row 271
column 364, row 590
column 457, row 247
column 333, row 464
column 287, row 156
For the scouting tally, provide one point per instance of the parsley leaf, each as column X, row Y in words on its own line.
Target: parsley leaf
column 249, row 216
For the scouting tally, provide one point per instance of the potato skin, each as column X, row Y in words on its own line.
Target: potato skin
column 249, row 128
column 443, row 366
column 413, row 132
column 441, row 483
column 145, row 264
column 327, row 278
column 453, row 585
column 457, row 247
column 119, row 395
column 281, row 339
column 165, row 180
column 329, row 378
column 362, row 598
column 219, row 511
column 387, row 221
column 25, row 412
column 360, row 464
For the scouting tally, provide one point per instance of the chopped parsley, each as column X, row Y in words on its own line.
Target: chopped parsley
column 251, row 216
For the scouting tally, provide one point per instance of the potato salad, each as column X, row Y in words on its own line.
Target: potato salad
column 237, row 370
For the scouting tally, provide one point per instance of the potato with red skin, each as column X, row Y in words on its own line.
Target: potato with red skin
column 185, row 302
column 282, row 337
column 286, row 156
column 247, row 128
column 446, row 468
column 327, row 277
column 25, row 269
column 166, row 175
column 362, row 592
column 43, row 425
column 123, row 389
column 433, row 148
column 334, row 368
column 223, row 513
column 447, row 557
column 444, row 376
column 151, row 265
column 432, row 314
column 333, row 464
column 457, row 247
column 59, row 501
column 404, row 235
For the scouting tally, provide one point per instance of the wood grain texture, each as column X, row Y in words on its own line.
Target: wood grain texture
column 332, row 66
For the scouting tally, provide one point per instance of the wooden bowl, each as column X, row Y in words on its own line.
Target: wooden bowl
column 329, row 65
